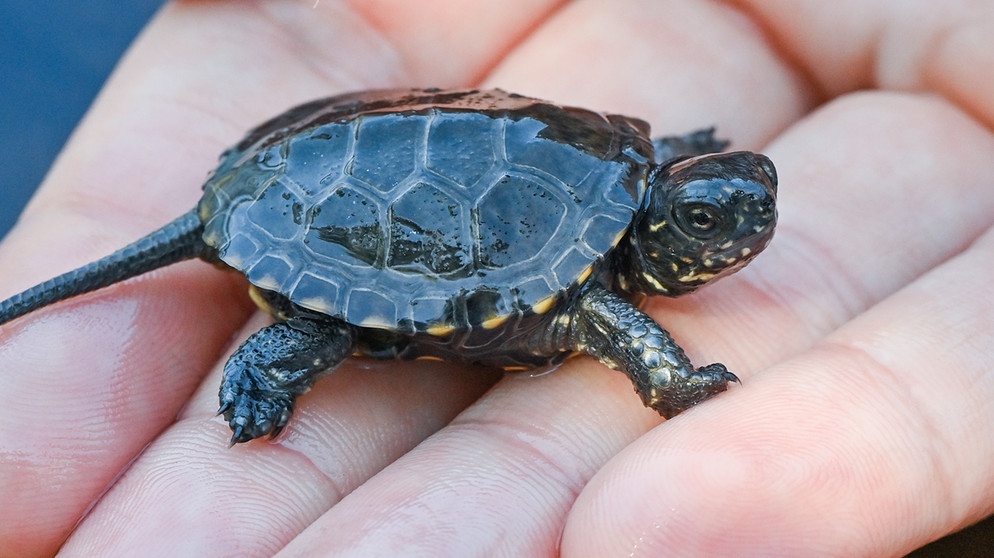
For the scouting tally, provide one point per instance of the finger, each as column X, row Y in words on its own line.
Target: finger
column 258, row 496
column 490, row 483
column 829, row 442
column 917, row 47
column 675, row 68
column 190, row 87
column 443, row 43
column 847, row 46
column 882, row 444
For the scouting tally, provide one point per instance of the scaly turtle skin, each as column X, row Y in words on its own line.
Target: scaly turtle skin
column 478, row 226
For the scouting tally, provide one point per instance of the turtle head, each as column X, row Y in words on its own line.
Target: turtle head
column 703, row 218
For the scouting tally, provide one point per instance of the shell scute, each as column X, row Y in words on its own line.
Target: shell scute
column 387, row 151
column 469, row 153
column 517, row 218
column 345, row 226
column 430, row 233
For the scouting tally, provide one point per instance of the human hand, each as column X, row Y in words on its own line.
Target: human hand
column 862, row 334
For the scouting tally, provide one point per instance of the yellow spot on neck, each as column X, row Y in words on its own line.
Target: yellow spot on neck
column 656, row 226
column 655, row 283
column 697, row 277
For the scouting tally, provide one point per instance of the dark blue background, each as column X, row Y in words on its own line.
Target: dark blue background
column 54, row 57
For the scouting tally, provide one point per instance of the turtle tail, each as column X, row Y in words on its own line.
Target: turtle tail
column 179, row 240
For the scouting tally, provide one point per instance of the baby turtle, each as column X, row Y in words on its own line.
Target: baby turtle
column 470, row 225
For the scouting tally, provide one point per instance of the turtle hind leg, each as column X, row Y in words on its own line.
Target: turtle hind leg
column 264, row 376
column 623, row 337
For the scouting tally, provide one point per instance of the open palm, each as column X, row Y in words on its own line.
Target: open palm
column 863, row 335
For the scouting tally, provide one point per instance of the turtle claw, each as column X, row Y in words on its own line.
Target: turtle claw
column 716, row 372
column 238, row 433
column 235, row 436
column 254, row 413
column 680, row 392
column 252, row 404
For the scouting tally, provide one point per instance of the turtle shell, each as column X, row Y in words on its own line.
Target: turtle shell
column 426, row 210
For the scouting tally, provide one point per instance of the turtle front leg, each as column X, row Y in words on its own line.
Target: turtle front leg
column 275, row 365
column 623, row 337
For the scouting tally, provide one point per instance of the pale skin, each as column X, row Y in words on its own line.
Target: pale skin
column 862, row 336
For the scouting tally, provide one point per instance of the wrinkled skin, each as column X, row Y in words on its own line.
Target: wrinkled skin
column 863, row 335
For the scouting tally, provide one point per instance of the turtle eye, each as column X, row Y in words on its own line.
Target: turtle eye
column 700, row 219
